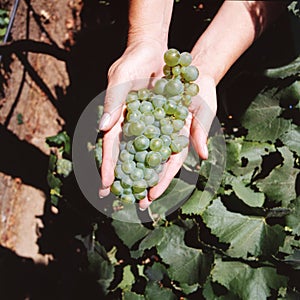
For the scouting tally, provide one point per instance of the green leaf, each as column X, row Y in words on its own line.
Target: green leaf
column 247, row 282
column 127, row 295
column 128, row 279
column 262, row 118
column 53, row 181
column 61, row 139
column 292, row 220
column 245, row 234
column 294, row 259
column 197, row 203
column 192, row 267
column 153, row 238
column 209, row 294
column 154, row 291
column 291, row 139
column 280, row 185
column 247, row 195
column 233, row 156
column 156, row 272
column 174, row 195
column 290, row 243
column 292, row 69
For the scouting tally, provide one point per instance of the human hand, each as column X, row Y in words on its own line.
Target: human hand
column 202, row 112
column 131, row 71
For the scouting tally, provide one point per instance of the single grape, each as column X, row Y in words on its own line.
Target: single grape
column 172, row 57
column 143, row 94
column 160, row 86
column 181, row 112
column 148, row 173
column 153, row 180
column 132, row 96
column 136, row 174
column 129, row 199
column 126, row 182
column 140, row 156
column 176, row 146
column 186, row 100
column 145, row 106
column 153, row 159
column 192, row 89
column 158, row 100
column 185, row 59
column 156, row 144
column 189, row 73
column 141, row 195
column 125, row 155
column 166, row 140
column 159, row 113
column 176, row 98
column 167, row 129
column 130, row 147
column 128, row 166
column 140, row 165
column 116, row 188
column 174, row 87
column 167, row 70
column 151, row 132
column 137, row 128
column 119, row 173
column 165, row 121
column 183, row 140
column 122, row 145
column 133, row 115
column 134, row 105
column 170, row 107
column 159, row 168
column 177, row 125
column 165, row 153
column 147, row 118
column 139, row 186
column 176, row 70
column 126, row 130
column 141, row 142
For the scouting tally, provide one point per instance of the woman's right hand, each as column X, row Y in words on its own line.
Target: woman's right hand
column 131, row 71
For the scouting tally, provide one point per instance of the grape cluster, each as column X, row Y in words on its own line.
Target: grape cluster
column 152, row 125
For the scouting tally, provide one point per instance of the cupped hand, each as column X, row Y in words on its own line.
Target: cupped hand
column 202, row 113
column 131, row 71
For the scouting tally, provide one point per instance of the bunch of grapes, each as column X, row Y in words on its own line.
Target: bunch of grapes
column 152, row 125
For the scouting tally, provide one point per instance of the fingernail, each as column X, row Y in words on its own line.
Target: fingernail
column 144, row 204
column 205, row 151
column 104, row 121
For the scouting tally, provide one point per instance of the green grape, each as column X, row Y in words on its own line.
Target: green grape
column 125, row 155
column 133, row 115
column 174, row 87
column 185, row 59
column 134, row 105
column 167, row 70
column 126, row 182
column 183, row 140
column 126, row 130
column 145, row 106
column 136, row 174
column 192, row 89
column 151, row 132
column 149, row 173
column 128, row 198
column 141, row 195
column 189, row 73
column 171, row 57
column 130, row 147
column 153, row 180
column 186, row 100
column 165, row 153
column 139, row 186
column 160, row 86
column 170, row 107
column 166, row 140
column 153, row 159
column 176, row 98
column 132, row 96
column 127, row 191
column 137, row 128
column 177, row 125
column 167, row 129
column 116, row 188
column 122, row 145
column 119, row 173
column 128, row 166
column 156, row 144
column 143, row 94
column 181, row 112
column 140, row 156
column 165, row 121
column 147, row 118
column 158, row 100
column 176, row 70
column 141, row 142
column 176, row 146
column 159, row 113
column 140, row 165
column 159, row 168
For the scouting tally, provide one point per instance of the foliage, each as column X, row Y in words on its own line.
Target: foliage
column 243, row 242
column 4, row 20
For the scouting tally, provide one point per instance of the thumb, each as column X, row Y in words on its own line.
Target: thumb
column 113, row 104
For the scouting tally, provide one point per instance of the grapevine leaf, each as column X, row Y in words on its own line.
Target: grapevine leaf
column 154, row 291
column 292, row 69
column 53, row 181
column 233, row 148
column 290, row 243
column 197, row 203
column 292, row 220
column 156, row 272
column 127, row 280
column 247, row 282
column 291, row 139
column 128, row 232
column 61, row 139
column 262, row 118
column 280, row 185
column 294, row 259
column 153, row 238
column 128, row 295
column 294, row 7
column 247, row 195
column 209, row 294
column 174, row 195
column 245, row 234
column 192, row 266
